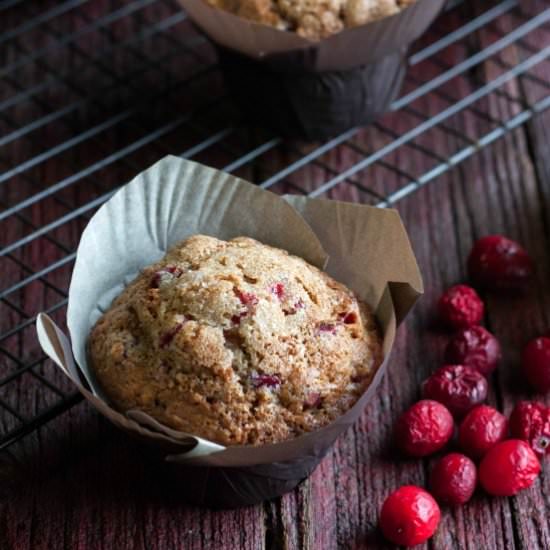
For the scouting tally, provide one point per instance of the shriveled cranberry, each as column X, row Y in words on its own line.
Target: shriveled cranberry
column 247, row 298
column 458, row 387
column 409, row 516
column 508, row 467
column 453, row 479
column 236, row 319
column 460, row 306
column 278, row 289
column 348, row 317
column 530, row 421
column 482, row 428
column 165, row 275
column 327, row 327
column 269, row 380
column 498, row 262
column 168, row 336
column 535, row 361
column 424, row 428
column 299, row 304
column 474, row 347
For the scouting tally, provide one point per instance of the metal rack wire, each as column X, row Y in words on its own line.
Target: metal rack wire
column 93, row 92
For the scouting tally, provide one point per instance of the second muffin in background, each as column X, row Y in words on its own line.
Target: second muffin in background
column 313, row 19
column 236, row 342
column 313, row 69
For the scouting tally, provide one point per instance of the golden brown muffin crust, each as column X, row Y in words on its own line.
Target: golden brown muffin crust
column 236, row 342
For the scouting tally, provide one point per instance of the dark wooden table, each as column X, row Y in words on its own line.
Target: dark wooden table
column 78, row 483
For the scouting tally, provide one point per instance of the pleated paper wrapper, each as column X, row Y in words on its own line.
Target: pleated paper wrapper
column 364, row 247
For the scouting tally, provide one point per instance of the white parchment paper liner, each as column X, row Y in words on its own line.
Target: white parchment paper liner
column 347, row 49
column 366, row 248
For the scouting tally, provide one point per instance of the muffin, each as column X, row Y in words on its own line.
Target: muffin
column 236, row 342
column 312, row 69
column 313, row 19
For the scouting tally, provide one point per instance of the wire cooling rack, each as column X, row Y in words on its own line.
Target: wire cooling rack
column 92, row 92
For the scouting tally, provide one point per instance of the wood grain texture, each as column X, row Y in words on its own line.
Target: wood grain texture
column 78, row 483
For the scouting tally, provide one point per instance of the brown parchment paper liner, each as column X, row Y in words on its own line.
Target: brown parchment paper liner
column 347, row 49
column 366, row 248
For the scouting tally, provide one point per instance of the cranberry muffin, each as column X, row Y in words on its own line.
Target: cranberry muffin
column 236, row 342
column 314, row 19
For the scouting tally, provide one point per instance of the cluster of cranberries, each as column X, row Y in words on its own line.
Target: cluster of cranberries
column 456, row 392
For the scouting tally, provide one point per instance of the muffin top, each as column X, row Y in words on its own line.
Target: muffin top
column 236, row 342
column 313, row 19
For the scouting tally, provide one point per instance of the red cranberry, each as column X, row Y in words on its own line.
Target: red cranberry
column 508, row 468
column 482, row 429
column 348, row 317
column 278, row 289
column 530, row 421
column 498, row 262
column 165, row 275
column 460, row 306
column 458, row 387
column 292, row 310
column 247, row 298
column 168, row 336
column 424, row 428
column 236, row 319
column 536, row 363
column 474, row 347
column 409, row 516
column 269, row 380
column 327, row 327
column 453, row 479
